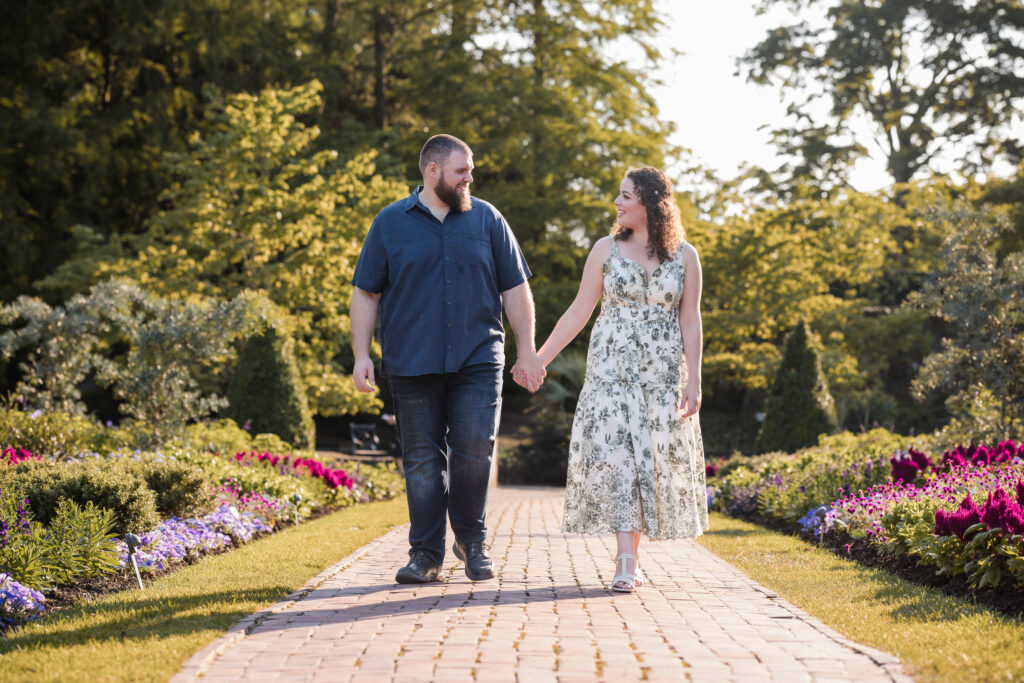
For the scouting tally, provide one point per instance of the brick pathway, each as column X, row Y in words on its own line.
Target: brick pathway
column 547, row 617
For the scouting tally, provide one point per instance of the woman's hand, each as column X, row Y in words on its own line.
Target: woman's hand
column 689, row 400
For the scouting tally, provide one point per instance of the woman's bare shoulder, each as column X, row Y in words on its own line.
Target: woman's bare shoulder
column 602, row 249
column 688, row 253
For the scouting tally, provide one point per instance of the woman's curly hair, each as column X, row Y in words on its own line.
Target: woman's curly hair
column 664, row 230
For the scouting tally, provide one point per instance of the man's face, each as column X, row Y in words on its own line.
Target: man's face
column 453, row 185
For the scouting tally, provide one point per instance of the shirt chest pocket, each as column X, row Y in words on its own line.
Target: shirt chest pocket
column 473, row 253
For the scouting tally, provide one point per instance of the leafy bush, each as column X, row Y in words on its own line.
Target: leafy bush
column 53, row 434
column 266, row 390
column 169, row 343
column 268, row 443
column 799, row 406
column 181, row 489
column 78, row 544
column 217, row 436
column 378, row 481
column 108, row 484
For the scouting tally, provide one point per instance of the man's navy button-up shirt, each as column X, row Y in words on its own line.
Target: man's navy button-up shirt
column 440, row 285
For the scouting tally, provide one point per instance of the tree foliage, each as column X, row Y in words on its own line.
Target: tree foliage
column 841, row 263
column 799, row 406
column 925, row 75
column 981, row 366
column 253, row 207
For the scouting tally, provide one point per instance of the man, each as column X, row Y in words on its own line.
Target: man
column 439, row 264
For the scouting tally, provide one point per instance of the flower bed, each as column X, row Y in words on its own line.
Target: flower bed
column 177, row 540
column 18, row 603
column 908, row 506
column 63, row 517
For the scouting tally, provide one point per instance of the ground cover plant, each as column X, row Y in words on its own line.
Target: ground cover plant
column 954, row 520
column 65, row 514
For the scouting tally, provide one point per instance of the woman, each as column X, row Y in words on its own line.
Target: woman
column 636, row 459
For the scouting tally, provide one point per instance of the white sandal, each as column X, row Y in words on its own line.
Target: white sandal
column 623, row 576
column 638, row 577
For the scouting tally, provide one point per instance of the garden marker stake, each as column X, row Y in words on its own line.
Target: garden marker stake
column 133, row 541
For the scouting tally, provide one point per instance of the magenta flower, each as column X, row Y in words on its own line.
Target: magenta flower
column 957, row 522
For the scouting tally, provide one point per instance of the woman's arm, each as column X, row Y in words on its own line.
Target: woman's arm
column 582, row 307
column 691, row 327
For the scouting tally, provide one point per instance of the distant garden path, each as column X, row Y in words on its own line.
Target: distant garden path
column 548, row 616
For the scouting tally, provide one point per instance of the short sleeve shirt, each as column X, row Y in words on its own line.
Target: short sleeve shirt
column 440, row 285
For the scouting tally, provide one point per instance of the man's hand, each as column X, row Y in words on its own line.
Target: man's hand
column 362, row 373
column 529, row 372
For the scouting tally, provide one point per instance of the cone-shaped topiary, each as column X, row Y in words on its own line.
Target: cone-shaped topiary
column 266, row 390
column 799, row 405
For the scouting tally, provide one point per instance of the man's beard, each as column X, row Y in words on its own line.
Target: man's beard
column 448, row 194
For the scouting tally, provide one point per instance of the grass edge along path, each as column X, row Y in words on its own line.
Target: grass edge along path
column 936, row 636
column 146, row 635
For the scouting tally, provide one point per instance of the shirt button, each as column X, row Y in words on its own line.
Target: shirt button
column 448, row 281
column 449, row 346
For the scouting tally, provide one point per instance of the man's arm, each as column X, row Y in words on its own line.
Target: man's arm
column 363, row 314
column 519, row 309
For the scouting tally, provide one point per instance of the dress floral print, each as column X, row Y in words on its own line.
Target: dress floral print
column 633, row 464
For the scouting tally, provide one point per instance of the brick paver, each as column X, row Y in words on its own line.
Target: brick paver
column 548, row 616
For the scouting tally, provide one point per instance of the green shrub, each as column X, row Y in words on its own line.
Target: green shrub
column 270, row 443
column 799, row 406
column 218, row 436
column 380, row 481
column 54, row 434
column 266, row 390
column 181, row 490
column 109, row 484
column 78, row 544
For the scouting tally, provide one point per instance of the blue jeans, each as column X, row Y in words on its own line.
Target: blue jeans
column 447, row 425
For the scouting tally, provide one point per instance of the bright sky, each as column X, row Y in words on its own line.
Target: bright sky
column 718, row 114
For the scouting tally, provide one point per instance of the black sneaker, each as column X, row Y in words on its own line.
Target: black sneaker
column 478, row 563
column 421, row 569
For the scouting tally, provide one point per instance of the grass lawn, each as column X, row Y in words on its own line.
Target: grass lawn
column 937, row 637
column 146, row 635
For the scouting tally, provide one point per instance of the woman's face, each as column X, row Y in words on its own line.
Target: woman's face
column 629, row 211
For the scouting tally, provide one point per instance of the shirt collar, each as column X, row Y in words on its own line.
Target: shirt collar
column 413, row 200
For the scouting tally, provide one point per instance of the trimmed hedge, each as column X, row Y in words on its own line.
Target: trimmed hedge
column 266, row 391
column 112, row 485
column 799, row 406
column 181, row 490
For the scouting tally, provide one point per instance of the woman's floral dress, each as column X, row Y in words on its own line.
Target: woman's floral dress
column 633, row 464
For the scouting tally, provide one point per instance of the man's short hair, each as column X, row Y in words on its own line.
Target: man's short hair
column 437, row 149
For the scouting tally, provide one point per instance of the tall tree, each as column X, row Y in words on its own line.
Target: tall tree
column 254, row 206
column 926, row 75
column 96, row 91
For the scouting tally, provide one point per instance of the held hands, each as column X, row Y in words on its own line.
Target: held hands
column 689, row 400
column 362, row 373
column 529, row 372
